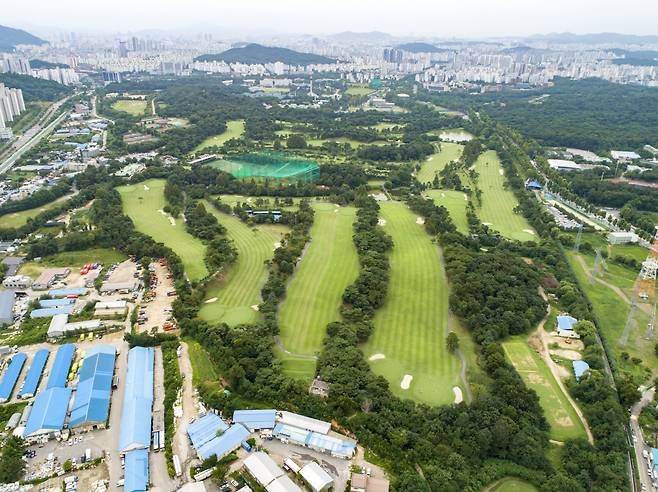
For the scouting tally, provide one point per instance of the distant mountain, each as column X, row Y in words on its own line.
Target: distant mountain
column 10, row 38
column 259, row 54
column 421, row 48
column 594, row 38
column 362, row 37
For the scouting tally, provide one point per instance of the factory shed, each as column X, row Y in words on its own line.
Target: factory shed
column 136, row 476
column 335, row 446
column 262, row 468
column 48, row 312
column 33, row 376
column 283, row 484
column 55, row 303
column 91, row 404
column 205, row 429
column 580, row 367
column 48, row 411
column 138, row 400
column 224, row 444
column 318, row 479
column 11, row 376
column 60, row 370
column 73, row 291
column 255, row 419
column 303, row 422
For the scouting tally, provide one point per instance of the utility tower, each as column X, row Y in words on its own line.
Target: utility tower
column 599, row 265
column 579, row 237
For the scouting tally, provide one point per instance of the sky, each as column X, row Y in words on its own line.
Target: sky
column 413, row 18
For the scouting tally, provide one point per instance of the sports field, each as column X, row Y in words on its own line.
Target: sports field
column 143, row 203
column 411, row 327
column 498, row 203
column 560, row 414
column 314, row 296
column 132, row 107
column 234, row 129
column 456, row 202
column 232, row 298
column 436, row 162
column 19, row 219
column 359, row 90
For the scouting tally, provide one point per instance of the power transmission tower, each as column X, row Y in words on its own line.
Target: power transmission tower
column 579, row 237
column 599, row 265
column 630, row 322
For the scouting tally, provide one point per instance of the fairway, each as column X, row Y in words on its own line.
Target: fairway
column 231, row 298
column 498, row 203
column 19, row 219
column 234, row 129
column 411, row 327
column 456, row 202
column 559, row 412
column 132, row 107
column 314, row 296
column 436, row 162
column 511, row 484
column 143, row 203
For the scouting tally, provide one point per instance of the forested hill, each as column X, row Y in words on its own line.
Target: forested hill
column 420, row 48
column 10, row 38
column 259, row 54
column 35, row 89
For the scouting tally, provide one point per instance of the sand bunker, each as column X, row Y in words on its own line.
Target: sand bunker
column 501, row 172
column 420, row 220
column 146, row 188
column 212, row 299
column 465, row 197
column 529, row 231
column 255, row 307
column 381, row 222
column 171, row 219
column 458, row 394
column 486, row 223
column 277, row 245
column 406, row 381
column 443, row 195
column 377, row 357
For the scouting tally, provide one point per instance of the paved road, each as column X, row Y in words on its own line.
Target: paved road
column 639, row 445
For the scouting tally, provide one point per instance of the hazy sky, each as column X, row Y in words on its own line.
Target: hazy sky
column 443, row 18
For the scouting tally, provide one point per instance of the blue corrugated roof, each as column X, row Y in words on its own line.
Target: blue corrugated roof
column 138, row 400
column 534, row 184
column 224, row 444
column 334, row 445
column 136, row 477
column 92, row 397
column 205, row 428
column 74, row 291
column 48, row 411
column 580, row 367
column 566, row 322
column 50, row 312
column 53, row 303
column 61, row 366
column 255, row 419
column 34, row 373
column 11, row 376
column 654, row 454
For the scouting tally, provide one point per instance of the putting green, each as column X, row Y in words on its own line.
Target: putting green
column 234, row 129
column 232, row 297
column 143, row 203
column 411, row 327
column 314, row 296
column 498, row 202
column 456, row 202
column 561, row 415
column 436, row 162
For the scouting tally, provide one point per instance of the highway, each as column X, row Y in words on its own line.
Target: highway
column 638, row 441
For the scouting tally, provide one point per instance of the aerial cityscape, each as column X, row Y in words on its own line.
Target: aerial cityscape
column 365, row 247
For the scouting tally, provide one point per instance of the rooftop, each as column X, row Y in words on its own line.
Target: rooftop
column 315, row 476
column 92, row 397
column 262, row 468
column 34, row 373
column 224, row 444
column 11, row 376
column 60, row 370
column 255, row 419
column 138, row 400
column 48, row 411
column 205, row 429
column 566, row 322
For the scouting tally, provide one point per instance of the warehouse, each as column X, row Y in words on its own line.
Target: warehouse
column 262, row 468
column 61, row 366
column 340, row 448
column 303, row 422
column 17, row 282
column 59, row 326
column 565, row 326
column 136, row 474
column 318, row 479
column 255, row 419
column 11, row 376
column 48, row 412
column 91, row 404
column 580, row 367
column 49, row 312
column 224, row 444
column 78, row 291
column 7, row 300
column 283, row 484
column 205, row 429
column 48, row 277
column 128, row 286
column 33, row 376
column 623, row 237
column 137, row 401
column 55, row 303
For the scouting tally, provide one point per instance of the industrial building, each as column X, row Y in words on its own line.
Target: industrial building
column 205, row 429
column 283, row 484
column 72, row 291
column 11, row 376
column 91, row 405
column 302, row 422
column 17, row 282
column 580, row 367
column 48, row 277
column 565, row 326
column 60, row 326
column 61, row 366
column 136, row 474
column 33, row 376
column 339, row 448
column 255, row 419
column 48, row 412
column 7, row 300
column 50, row 312
column 316, row 478
column 55, row 303
column 224, row 444
column 262, row 468
column 623, row 237
column 138, row 400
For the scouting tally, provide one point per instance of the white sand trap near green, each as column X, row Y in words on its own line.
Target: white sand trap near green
column 211, row 300
column 420, row 221
column 406, row 381
column 501, row 172
column 529, row 231
column 146, row 188
column 381, row 222
column 459, row 397
column 376, row 357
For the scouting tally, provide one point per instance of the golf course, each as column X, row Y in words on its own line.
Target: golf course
column 18, row 219
column 314, row 294
column 436, row 162
column 234, row 129
column 408, row 346
column 143, row 203
column 455, row 202
column 135, row 107
column 232, row 297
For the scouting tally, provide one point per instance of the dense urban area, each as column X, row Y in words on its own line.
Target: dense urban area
column 352, row 263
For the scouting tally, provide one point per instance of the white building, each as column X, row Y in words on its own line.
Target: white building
column 318, row 479
column 17, row 282
column 623, row 237
column 11, row 105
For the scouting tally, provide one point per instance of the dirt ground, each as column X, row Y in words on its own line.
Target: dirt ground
column 181, row 446
column 86, row 479
column 156, row 309
column 124, row 272
column 564, row 343
column 567, row 354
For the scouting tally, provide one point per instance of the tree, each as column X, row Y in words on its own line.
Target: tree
column 67, row 466
column 11, row 461
column 296, row 141
column 452, row 342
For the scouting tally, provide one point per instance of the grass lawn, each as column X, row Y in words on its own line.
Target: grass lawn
column 203, row 369
column 73, row 260
column 511, row 484
column 230, row 298
column 436, row 162
column 359, row 90
column 19, row 219
column 560, row 414
column 134, row 108
column 455, row 201
column 386, row 126
column 234, row 129
column 269, row 201
column 143, row 203
column 314, row 296
column 317, row 142
column 411, row 327
column 498, row 203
